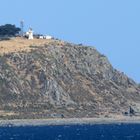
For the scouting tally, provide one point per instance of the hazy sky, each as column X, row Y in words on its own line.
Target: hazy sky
column 112, row 26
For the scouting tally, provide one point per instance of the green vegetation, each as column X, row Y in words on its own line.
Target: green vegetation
column 9, row 30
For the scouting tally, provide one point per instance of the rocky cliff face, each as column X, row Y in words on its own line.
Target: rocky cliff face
column 66, row 80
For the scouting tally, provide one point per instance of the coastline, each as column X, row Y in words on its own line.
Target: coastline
column 69, row 121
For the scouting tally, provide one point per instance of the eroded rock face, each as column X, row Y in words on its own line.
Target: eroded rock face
column 63, row 81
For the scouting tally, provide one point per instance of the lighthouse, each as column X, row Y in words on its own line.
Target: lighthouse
column 30, row 34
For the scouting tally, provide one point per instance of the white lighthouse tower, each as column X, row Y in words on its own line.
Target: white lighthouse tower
column 30, row 34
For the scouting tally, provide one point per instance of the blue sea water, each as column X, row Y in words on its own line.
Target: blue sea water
column 72, row 132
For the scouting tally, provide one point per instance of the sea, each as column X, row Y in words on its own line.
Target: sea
column 72, row 132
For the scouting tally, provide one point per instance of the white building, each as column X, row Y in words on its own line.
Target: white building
column 48, row 37
column 30, row 34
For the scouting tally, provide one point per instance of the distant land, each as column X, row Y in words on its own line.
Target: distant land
column 41, row 79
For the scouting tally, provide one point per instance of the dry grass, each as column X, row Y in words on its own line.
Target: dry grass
column 21, row 44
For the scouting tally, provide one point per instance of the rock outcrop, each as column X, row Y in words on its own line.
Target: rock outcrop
column 63, row 80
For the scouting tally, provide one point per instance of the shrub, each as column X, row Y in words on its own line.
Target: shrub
column 9, row 30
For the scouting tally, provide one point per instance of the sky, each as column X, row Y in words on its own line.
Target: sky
column 111, row 26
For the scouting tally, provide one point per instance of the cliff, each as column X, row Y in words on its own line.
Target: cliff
column 48, row 79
